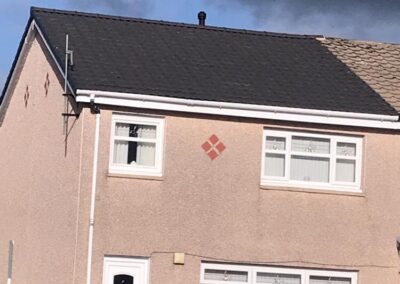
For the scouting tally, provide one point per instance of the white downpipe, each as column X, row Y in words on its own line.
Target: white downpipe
column 10, row 261
column 93, row 200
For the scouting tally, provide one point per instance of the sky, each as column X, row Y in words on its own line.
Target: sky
column 375, row 20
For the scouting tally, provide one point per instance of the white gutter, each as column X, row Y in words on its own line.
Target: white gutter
column 240, row 110
column 93, row 197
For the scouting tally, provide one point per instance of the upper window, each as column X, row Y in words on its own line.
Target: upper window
column 136, row 145
column 311, row 160
column 215, row 273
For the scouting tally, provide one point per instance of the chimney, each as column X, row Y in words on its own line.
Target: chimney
column 202, row 18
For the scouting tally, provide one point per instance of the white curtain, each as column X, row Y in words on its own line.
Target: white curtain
column 275, row 143
column 225, row 275
column 146, row 131
column 345, row 170
column 329, row 280
column 306, row 168
column 146, row 153
column 309, row 169
column 310, row 145
column 274, row 278
column 122, row 129
column 121, row 147
column 346, row 149
column 274, row 165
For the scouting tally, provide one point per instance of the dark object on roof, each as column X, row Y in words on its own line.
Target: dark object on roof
column 205, row 63
column 202, row 18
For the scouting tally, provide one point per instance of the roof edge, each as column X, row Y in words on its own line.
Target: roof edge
column 4, row 96
column 357, row 41
column 15, row 61
column 56, row 60
column 170, row 23
column 30, row 27
column 239, row 110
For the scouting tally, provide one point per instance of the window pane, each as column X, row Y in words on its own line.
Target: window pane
column 275, row 143
column 310, row 145
column 309, row 169
column 273, row 278
column 345, row 170
column 346, row 149
column 123, row 279
column 225, row 275
column 274, row 165
column 329, row 280
column 121, row 152
column 135, row 130
column 139, row 153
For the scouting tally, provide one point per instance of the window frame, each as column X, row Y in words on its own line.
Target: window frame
column 333, row 185
column 252, row 271
column 159, row 123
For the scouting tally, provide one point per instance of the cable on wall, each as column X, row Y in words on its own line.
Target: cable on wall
column 279, row 262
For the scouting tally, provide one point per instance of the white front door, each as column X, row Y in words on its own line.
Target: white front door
column 125, row 270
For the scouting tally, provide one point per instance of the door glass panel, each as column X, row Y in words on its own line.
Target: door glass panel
column 123, row 279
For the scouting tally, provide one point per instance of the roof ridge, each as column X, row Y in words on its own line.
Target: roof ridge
column 359, row 41
column 169, row 23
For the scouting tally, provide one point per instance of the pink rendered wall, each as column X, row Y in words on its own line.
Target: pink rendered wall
column 217, row 209
column 39, row 181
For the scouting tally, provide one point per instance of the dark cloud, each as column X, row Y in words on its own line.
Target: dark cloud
column 361, row 19
column 135, row 8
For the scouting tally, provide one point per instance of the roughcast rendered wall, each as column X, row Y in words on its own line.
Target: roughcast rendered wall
column 39, row 177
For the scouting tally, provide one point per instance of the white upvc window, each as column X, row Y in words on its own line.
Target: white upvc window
column 217, row 273
column 310, row 160
column 136, row 145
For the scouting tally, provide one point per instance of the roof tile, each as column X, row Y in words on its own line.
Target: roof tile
column 375, row 63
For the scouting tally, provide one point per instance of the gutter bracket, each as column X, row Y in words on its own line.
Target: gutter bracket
column 94, row 108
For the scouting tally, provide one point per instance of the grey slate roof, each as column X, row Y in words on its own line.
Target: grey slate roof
column 205, row 63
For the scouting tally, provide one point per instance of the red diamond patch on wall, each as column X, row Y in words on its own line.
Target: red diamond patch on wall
column 213, row 147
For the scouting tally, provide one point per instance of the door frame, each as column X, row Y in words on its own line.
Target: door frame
column 138, row 267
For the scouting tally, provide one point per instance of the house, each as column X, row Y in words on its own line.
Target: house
column 139, row 151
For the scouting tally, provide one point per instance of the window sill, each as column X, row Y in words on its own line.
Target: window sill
column 135, row 176
column 312, row 190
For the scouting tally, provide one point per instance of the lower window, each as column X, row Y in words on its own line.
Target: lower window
column 216, row 273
